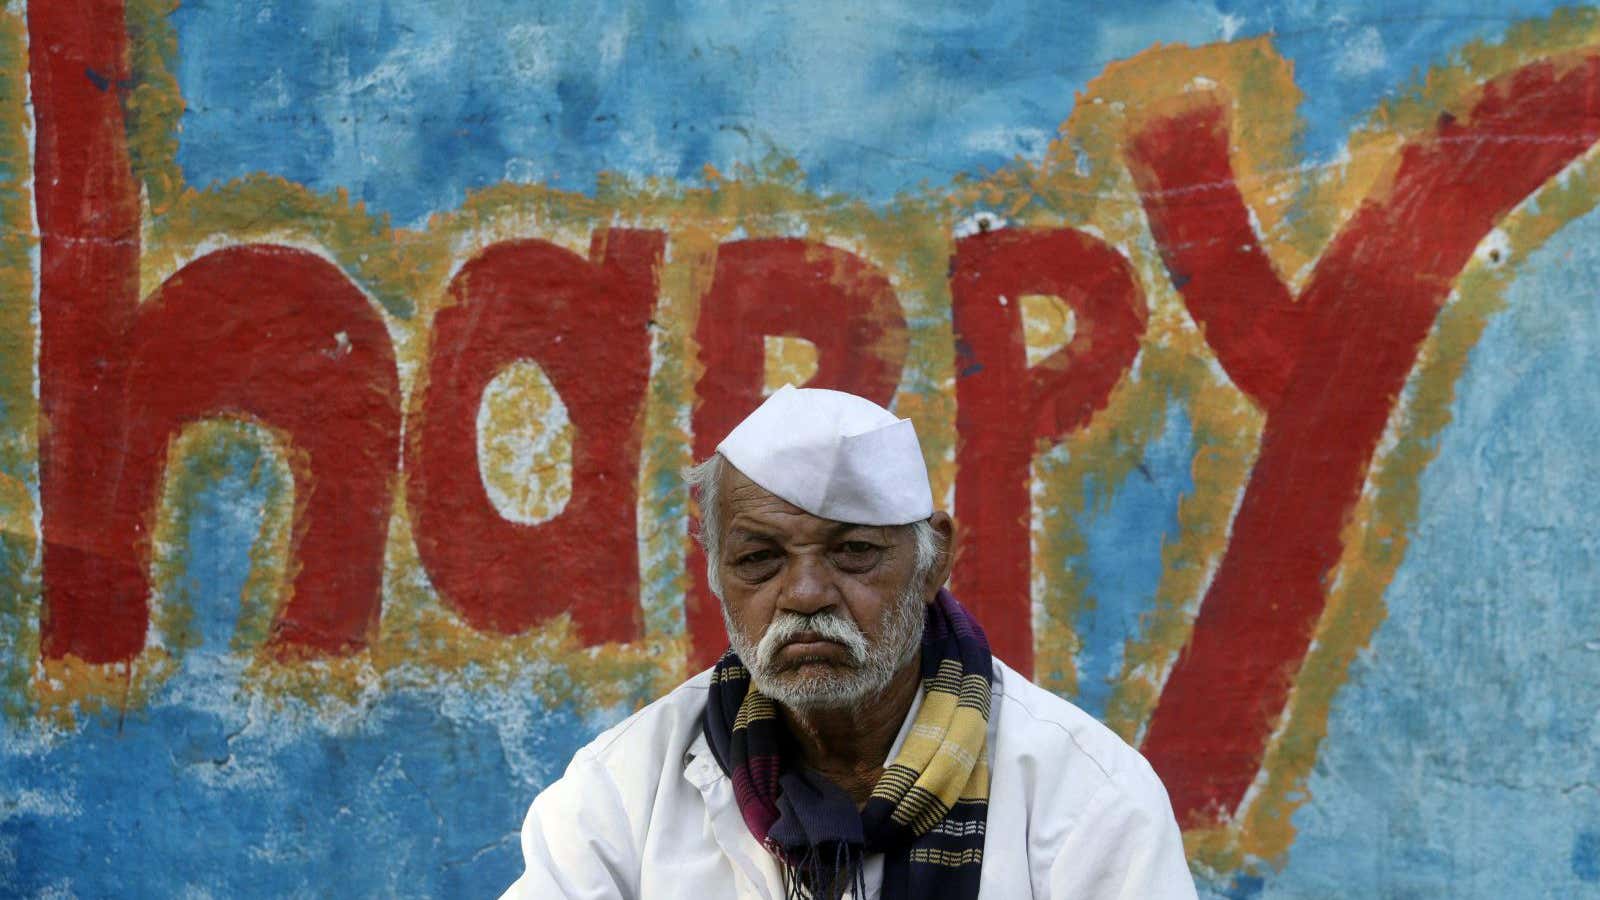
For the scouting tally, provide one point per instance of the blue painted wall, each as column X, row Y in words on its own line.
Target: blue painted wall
column 409, row 104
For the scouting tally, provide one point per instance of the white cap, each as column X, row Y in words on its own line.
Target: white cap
column 834, row 455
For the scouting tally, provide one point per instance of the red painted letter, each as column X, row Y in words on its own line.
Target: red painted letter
column 587, row 326
column 247, row 332
column 784, row 286
column 282, row 337
column 1327, row 370
column 1007, row 411
column 88, row 208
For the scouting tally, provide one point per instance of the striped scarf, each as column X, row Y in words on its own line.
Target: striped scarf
column 927, row 811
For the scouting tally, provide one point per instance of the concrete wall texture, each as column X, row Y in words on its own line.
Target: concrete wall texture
column 349, row 351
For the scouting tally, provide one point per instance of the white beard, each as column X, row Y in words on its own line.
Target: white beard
column 867, row 672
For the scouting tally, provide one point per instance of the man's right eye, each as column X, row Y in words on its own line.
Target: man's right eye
column 757, row 565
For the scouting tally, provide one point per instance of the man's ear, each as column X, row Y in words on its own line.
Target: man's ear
column 945, row 527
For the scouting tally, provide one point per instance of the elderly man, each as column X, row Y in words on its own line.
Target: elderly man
column 857, row 740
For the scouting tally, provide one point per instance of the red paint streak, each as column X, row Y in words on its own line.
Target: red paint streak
column 587, row 326
column 1204, row 233
column 280, row 337
column 1328, row 384
column 784, row 287
column 1007, row 411
column 88, row 210
column 239, row 333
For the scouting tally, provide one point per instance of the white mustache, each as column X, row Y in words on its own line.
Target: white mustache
column 786, row 626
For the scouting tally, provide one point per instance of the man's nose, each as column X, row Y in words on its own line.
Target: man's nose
column 808, row 585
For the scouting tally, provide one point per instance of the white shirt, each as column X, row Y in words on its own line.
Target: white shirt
column 644, row 812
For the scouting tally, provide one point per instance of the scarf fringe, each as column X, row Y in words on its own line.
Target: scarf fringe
column 812, row 879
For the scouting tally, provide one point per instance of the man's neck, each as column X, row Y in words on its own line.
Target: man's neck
column 848, row 745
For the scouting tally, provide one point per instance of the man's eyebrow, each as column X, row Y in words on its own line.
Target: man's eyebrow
column 880, row 531
column 834, row 531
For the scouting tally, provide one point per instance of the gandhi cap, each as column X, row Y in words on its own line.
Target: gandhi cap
column 834, row 455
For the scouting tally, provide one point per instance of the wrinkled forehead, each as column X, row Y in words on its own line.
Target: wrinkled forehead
column 741, row 497
column 749, row 507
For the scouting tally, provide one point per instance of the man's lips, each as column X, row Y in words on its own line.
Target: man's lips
column 811, row 645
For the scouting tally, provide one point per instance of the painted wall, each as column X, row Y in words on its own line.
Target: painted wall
column 348, row 354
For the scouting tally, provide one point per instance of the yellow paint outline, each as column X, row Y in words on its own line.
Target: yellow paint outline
column 19, row 416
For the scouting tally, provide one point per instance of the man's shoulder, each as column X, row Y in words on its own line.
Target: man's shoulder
column 1048, row 720
column 1065, row 748
column 1067, row 788
column 662, row 729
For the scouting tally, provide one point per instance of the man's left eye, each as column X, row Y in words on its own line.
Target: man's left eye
column 857, row 556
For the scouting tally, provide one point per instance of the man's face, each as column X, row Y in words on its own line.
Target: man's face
column 822, row 613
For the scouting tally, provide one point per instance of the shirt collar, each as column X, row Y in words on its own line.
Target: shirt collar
column 700, row 765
